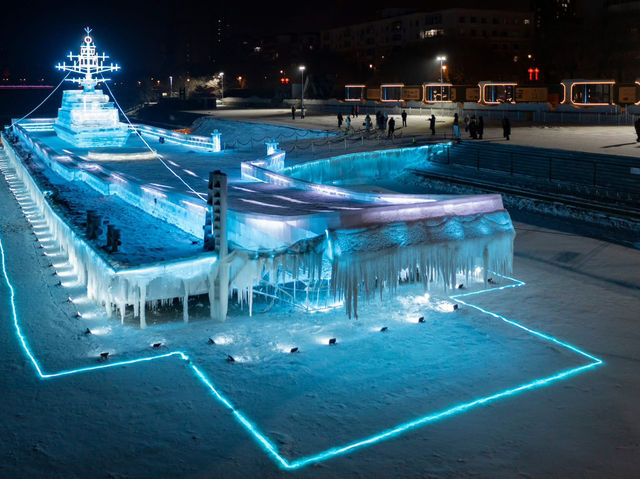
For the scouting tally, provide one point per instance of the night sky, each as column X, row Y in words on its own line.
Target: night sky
column 35, row 35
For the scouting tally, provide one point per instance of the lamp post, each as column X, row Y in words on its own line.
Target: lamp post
column 221, row 75
column 441, row 59
column 302, row 68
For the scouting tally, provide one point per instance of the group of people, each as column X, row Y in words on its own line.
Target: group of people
column 472, row 125
column 475, row 126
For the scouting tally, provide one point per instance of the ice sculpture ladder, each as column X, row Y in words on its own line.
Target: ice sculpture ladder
column 87, row 118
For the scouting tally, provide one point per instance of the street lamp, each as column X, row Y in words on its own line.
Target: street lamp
column 302, row 68
column 441, row 59
column 221, row 75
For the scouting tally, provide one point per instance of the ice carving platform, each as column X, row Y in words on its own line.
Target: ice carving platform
column 284, row 227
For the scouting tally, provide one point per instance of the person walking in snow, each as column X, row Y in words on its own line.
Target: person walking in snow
column 432, row 124
column 473, row 128
column 293, row 112
column 506, row 128
column 339, row 120
column 480, row 127
column 467, row 120
column 456, row 128
column 347, row 122
column 404, row 117
column 367, row 123
column 392, row 127
column 637, row 126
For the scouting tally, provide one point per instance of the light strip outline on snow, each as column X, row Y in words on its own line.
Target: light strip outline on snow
column 264, row 442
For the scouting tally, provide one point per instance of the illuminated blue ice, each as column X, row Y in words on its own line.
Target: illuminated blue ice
column 268, row 446
column 87, row 118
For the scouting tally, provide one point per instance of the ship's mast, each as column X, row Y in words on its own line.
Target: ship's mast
column 88, row 63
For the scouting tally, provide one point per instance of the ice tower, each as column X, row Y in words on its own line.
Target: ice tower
column 87, row 118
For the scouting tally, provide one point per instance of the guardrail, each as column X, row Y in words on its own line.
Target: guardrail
column 611, row 178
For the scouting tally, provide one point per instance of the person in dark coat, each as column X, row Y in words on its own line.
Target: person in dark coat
column 392, row 127
column 480, row 127
column 367, row 124
column 506, row 128
column 473, row 128
column 637, row 126
column 404, row 117
column 293, row 112
column 339, row 119
column 432, row 124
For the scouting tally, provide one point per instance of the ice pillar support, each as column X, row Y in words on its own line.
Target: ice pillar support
column 216, row 240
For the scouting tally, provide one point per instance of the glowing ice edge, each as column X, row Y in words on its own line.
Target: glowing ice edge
column 268, row 446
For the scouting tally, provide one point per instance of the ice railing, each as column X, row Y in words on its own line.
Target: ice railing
column 270, row 169
column 213, row 143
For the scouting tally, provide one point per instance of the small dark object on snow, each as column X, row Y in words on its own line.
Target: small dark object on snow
column 461, row 286
column 293, row 350
column 194, row 242
column 78, row 314
column 69, row 299
column 87, row 332
column 384, row 329
column 332, row 341
column 230, row 359
column 103, row 356
column 211, row 341
column 59, row 283
column 55, row 273
column 455, row 307
column 491, row 281
column 421, row 319
column 156, row 345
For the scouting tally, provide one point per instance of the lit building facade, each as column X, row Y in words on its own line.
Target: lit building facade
column 506, row 32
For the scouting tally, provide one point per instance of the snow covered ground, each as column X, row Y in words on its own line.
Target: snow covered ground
column 611, row 140
column 157, row 419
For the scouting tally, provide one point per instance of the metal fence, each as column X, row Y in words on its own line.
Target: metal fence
column 604, row 177
column 580, row 117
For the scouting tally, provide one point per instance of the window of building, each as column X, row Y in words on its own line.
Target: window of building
column 473, row 19
column 461, row 19
column 483, row 20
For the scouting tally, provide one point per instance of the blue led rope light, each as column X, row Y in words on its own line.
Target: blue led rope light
column 268, row 446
